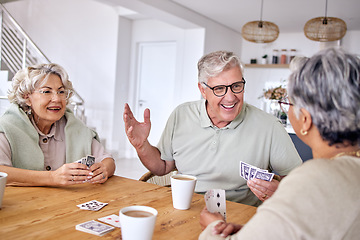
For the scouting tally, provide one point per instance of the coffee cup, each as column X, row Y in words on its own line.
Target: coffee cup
column 182, row 189
column 3, row 177
column 137, row 222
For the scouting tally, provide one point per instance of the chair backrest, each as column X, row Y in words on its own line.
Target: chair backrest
column 164, row 181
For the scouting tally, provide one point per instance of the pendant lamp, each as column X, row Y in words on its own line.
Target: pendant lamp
column 325, row 29
column 260, row 31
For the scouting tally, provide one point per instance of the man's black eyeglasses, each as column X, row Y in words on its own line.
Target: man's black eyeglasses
column 221, row 90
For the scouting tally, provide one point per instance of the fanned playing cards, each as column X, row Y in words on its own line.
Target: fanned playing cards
column 88, row 160
column 215, row 200
column 248, row 172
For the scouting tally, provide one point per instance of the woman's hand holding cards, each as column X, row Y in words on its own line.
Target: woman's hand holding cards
column 70, row 174
column 100, row 174
column 207, row 217
column 225, row 229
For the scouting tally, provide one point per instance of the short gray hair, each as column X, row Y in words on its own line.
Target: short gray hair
column 26, row 80
column 214, row 63
column 328, row 86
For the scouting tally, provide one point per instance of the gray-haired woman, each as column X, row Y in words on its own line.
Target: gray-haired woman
column 320, row 199
column 41, row 140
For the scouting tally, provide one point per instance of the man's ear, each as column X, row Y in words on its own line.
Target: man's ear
column 202, row 90
column 306, row 119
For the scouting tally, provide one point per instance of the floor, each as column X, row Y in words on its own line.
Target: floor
column 129, row 168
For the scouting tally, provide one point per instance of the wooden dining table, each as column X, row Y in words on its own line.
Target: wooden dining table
column 52, row 212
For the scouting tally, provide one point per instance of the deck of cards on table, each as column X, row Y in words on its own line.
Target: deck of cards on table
column 94, row 227
column 215, row 200
column 249, row 172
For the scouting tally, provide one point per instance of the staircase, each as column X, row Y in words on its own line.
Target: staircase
column 19, row 51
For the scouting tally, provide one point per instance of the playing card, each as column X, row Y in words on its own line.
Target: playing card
column 82, row 160
column 92, row 205
column 242, row 168
column 248, row 172
column 112, row 220
column 264, row 175
column 94, row 227
column 252, row 172
column 215, row 200
column 88, row 160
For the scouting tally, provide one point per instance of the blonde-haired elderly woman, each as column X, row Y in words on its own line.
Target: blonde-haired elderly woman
column 41, row 140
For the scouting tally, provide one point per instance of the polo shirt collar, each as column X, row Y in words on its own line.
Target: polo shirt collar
column 206, row 122
column 54, row 131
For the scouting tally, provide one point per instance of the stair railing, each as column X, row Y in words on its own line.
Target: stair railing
column 19, row 51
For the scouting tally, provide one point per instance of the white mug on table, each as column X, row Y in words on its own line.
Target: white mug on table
column 137, row 222
column 182, row 188
column 3, row 177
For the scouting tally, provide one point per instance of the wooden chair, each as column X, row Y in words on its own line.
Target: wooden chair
column 164, row 180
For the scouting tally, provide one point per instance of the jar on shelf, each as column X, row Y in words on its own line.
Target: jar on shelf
column 292, row 54
column 275, row 56
column 283, row 57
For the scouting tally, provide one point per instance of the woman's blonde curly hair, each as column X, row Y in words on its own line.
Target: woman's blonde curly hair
column 28, row 79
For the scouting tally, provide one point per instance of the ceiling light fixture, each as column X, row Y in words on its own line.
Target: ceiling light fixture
column 260, row 31
column 325, row 29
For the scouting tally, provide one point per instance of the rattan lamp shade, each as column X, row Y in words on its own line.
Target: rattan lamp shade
column 325, row 29
column 260, row 31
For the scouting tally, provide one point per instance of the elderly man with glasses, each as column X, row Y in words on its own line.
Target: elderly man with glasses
column 208, row 138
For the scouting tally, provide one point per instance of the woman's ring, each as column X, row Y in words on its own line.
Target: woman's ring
column 265, row 196
column 103, row 175
column 72, row 178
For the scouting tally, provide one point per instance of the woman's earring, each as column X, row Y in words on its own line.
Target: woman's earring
column 303, row 132
column 29, row 111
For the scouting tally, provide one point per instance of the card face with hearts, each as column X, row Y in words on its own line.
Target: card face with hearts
column 113, row 220
column 215, row 200
column 92, row 205
column 94, row 227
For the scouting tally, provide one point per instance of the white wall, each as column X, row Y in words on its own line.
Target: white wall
column 82, row 37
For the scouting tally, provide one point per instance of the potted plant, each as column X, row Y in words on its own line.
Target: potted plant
column 264, row 59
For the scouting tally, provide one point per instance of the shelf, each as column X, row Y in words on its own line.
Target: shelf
column 267, row 65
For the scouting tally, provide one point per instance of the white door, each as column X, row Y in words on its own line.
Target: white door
column 156, row 83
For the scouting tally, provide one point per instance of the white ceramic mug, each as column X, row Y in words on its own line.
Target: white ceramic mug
column 3, row 177
column 137, row 222
column 182, row 188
